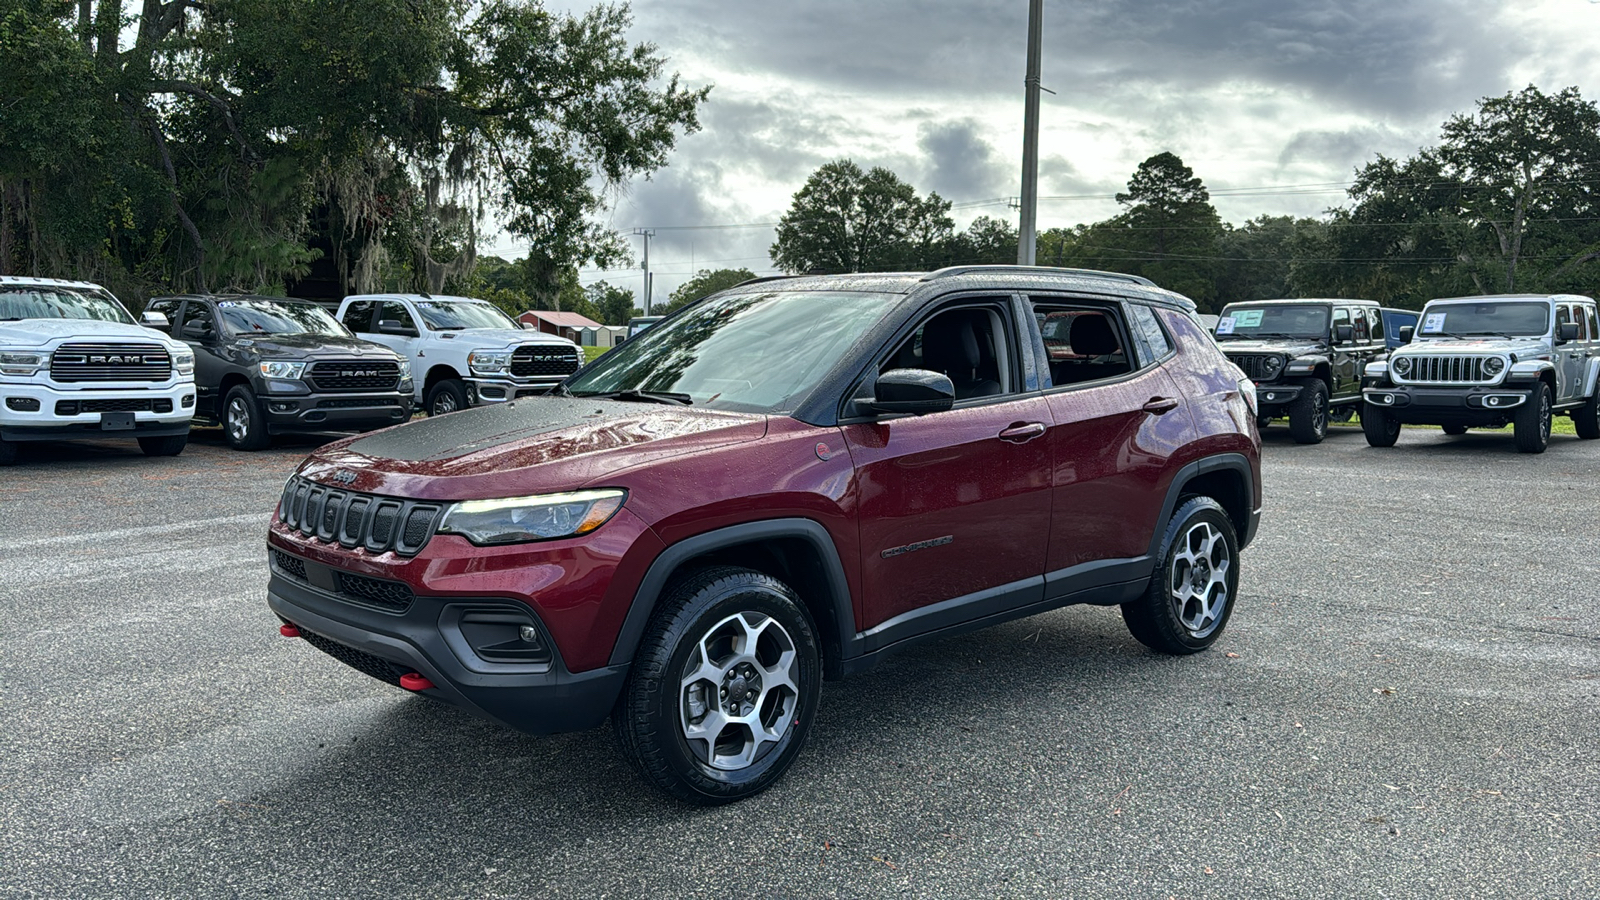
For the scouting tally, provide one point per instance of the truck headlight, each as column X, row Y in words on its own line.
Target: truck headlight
column 1493, row 366
column 183, row 362
column 488, row 362
column 517, row 520
column 282, row 368
column 405, row 370
column 18, row 363
column 1401, row 365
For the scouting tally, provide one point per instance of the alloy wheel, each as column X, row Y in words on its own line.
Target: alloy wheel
column 238, row 419
column 1198, row 579
column 739, row 691
column 444, row 403
column 1319, row 413
column 1545, row 415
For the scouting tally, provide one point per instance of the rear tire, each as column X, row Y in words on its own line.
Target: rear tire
column 8, row 453
column 446, row 397
column 1190, row 597
column 1454, row 429
column 1531, row 427
column 1381, row 429
column 1586, row 420
column 170, row 445
column 242, row 421
column 1308, row 414
column 723, row 688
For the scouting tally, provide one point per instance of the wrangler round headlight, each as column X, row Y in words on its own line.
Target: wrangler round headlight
column 1401, row 365
column 516, row 520
column 1271, row 366
column 1493, row 366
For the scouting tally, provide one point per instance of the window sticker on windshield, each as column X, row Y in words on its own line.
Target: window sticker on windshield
column 1225, row 325
column 1247, row 318
column 1433, row 323
column 225, row 304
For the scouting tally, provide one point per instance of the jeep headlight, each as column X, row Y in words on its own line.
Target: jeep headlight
column 1270, row 367
column 17, row 363
column 282, row 368
column 488, row 362
column 517, row 520
column 1401, row 365
column 183, row 362
column 1493, row 366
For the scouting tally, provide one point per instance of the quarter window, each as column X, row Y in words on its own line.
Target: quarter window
column 1594, row 332
column 1148, row 335
column 1375, row 317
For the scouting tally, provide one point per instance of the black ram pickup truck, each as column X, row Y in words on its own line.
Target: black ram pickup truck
column 267, row 365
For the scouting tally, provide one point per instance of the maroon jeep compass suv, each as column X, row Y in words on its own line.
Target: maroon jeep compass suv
column 779, row 484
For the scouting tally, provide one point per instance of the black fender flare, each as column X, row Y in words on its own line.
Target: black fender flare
column 671, row 559
column 1221, row 462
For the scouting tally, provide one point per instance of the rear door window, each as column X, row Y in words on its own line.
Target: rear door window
column 358, row 316
column 1084, row 341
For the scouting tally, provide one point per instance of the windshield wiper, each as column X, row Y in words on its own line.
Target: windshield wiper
column 638, row 396
column 1498, row 334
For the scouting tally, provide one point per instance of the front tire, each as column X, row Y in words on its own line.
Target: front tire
column 446, row 397
column 723, row 689
column 1308, row 414
column 1531, row 427
column 1190, row 597
column 1381, row 429
column 8, row 453
column 242, row 420
column 170, row 445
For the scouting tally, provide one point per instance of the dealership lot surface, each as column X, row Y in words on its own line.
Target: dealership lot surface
column 1404, row 705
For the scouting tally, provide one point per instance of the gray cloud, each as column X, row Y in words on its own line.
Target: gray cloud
column 960, row 164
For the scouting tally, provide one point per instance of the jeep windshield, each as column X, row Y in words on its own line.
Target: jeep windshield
column 1260, row 322
column 447, row 315
column 19, row 302
column 749, row 352
column 247, row 317
column 1502, row 318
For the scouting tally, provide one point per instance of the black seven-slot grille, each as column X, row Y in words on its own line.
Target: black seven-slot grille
column 378, row 593
column 80, row 361
column 532, row 361
column 1258, row 366
column 355, row 375
column 351, row 519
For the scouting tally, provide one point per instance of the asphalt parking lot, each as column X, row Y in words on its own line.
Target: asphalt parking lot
column 1404, row 706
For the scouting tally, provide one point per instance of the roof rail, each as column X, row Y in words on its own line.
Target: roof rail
column 953, row 271
column 764, row 278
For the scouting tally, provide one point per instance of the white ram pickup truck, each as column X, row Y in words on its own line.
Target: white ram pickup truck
column 464, row 352
column 74, row 365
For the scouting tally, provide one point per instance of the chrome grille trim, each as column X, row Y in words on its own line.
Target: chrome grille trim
column 535, row 361
column 78, row 361
column 1444, row 369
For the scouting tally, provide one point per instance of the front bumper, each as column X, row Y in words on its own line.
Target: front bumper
column 336, row 412
column 41, row 412
column 490, row 391
column 428, row 638
column 1474, row 405
column 1270, row 396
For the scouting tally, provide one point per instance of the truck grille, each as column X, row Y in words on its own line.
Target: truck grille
column 1258, row 366
column 1444, row 370
column 532, row 361
column 354, row 375
column 79, row 361
column 351, row 519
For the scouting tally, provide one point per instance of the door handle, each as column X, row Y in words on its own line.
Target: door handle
column 1159, row 406
column 1022, row 432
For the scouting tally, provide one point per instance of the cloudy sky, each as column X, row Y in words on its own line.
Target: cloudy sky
column 1272, row 102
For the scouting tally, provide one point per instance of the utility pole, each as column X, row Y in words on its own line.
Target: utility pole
column 1027, row 245
column 649, row 282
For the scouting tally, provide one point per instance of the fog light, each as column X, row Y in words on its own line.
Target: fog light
column 492, row 393
column 188, row 401
column 1271, row 395
column 22, row 404
column 529, row 634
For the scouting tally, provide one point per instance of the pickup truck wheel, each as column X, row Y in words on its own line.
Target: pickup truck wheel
column 242, row 421
column 723, row 689
column 8, row 453
column 1454, row 429
column 1381, row 429
column 1308, row 414
column 1586, row 420
column 446, row 397
column 170, row 445
column 1190, row 597
column 1531, row 427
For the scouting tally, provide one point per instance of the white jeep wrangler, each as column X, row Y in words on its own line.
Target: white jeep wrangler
column 464, row 352
column 75, row 365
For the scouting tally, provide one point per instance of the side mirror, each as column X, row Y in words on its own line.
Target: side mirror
column 157, row 320
column 196, row 331
column 1566, row 332
column 529, row 326
column 1343, row 334
column 914, row 391
column 393, row 326
column 1406, row 331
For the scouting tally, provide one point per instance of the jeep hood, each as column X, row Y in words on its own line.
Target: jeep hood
column 37, row 332
column 1289, row 348
column 1524, row 348
column 533, row 446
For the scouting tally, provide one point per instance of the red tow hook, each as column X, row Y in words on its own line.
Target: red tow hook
column 413, row 681
column 288, row 631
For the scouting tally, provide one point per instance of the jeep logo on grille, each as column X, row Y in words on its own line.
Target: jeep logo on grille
column 344, row 476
